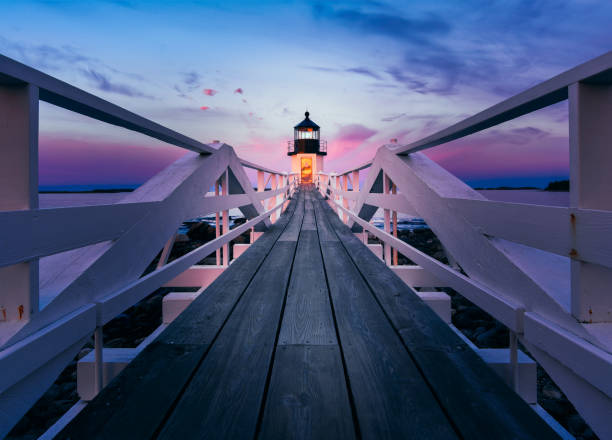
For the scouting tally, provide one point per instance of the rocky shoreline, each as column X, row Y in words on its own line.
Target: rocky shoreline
column 131, row 327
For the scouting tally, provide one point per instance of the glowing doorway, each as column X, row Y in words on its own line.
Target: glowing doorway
column 306, row 174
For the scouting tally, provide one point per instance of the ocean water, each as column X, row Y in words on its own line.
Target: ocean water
column 405, row 222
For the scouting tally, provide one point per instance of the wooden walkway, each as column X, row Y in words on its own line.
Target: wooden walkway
column 307, row 335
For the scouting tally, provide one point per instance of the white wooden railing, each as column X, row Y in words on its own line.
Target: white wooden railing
column 545, row 272
column 65, row 272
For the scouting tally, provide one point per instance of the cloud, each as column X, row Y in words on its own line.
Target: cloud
column 350, row 141
column 102, row 82
column 238, row 90
column 209, row 92
column 393, row 117
column 192, row 79
column 414, row 29
column 357, row 70
column 43, row 56
column 204, row 108
column 364, row 71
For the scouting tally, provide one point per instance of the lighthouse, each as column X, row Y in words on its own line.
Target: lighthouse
column 307, row 150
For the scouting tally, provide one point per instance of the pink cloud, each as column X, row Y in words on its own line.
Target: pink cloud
column 65, row 161
column 204, row 107
column 210, row 92
column 238, row 90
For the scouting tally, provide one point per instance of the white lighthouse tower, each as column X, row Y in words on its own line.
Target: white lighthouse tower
column 307, row 150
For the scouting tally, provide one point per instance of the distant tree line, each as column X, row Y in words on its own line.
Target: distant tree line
column 558, row 185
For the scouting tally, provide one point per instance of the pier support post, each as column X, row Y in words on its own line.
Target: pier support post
column 590, row 131
column 18, row 191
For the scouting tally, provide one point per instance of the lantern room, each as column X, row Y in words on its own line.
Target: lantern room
column 307, row 150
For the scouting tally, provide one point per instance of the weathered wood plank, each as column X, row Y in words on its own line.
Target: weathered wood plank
column 307, row 318
column 154, row 381
column 224, row 397
column 455, row 373
column 309, row 219
column 307, row 398
column 326, row 233
column 292, row 231
column 391, row 398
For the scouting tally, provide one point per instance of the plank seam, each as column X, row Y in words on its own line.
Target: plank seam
column 264, row 397
column 342, row 358
column 395, row 329
column 172, row 407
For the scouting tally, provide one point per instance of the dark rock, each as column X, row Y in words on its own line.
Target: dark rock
column 201, row 231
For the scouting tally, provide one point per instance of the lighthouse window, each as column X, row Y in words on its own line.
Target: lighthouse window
column 308, row 133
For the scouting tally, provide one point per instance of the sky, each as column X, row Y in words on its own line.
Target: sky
column 244, row 72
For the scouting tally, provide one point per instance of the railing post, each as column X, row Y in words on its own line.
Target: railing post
column 355, row 182
column 18, row 191
column 514, row 372
column 99, row 359
column 272, row 200
column 344, row 199
column 225, row 191
column 163, row 258
column 590, row 107
column 217, row 224
column 394, row 191
column 387, row 248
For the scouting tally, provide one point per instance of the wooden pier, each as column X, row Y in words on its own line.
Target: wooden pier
column 308, row 335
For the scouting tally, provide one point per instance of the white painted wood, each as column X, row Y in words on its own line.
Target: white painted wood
column 377, row 249
column 63, row 421
column 503, row 310
column 593, row 405
column 28, row 234
column 18, row 191
column 589, row 361
column 590, row 106
column 115, row 360
column 175, row 303
column 17, row 400
column 113, row 304
column 165, row 253
column 239, row 249
column 439, row 302
column 40, row 348
column 426, row 185
column 197, row 276
column 526, row 371
column 416, row 276
column 387, row 219
column 225, row 216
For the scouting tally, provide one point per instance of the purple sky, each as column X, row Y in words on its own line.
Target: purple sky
column 244, row 72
